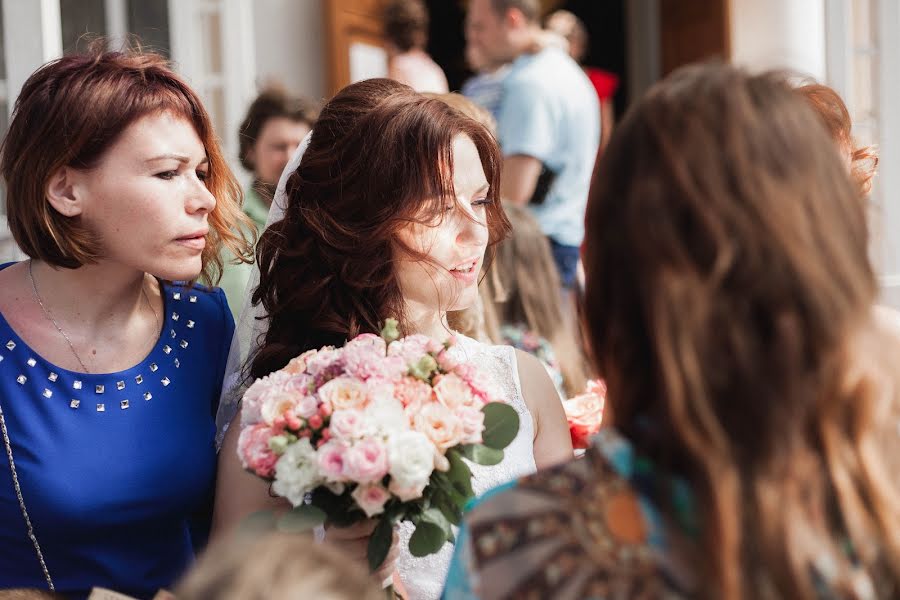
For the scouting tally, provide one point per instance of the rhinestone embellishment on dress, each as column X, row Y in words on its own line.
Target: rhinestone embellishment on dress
column 167, row 349
column 74, row 403
column 192, row 299
column 120, row 385
column 177, row 295
column 174, row 316
column 183, row 344
column 153, row 367
column 99, row 389
column 123, row 404
column 148, row 396
column 52, row 376
column 21, row 379
column 31, row 362
column 190, row 324
column 139, row 379
column 101, row 408
column 76, row 385
column 165, row 381
column 10, row 345
column 47, row 393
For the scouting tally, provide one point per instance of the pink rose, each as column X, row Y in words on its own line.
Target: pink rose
column 439, row 425
column 342, row 393
column 412, row 392
column 331, row 457
column 300, row 384
column 327, row 362
column 483, row 386
column 278, row 406
column 255, row 452
column 348, row 424
column 406, row 494
column 446, row 362
column 307, row 407
column 371, row 498
column 585, row 414
column 411, row 348
column 472, row 422
column 368, row 341
column 366, row 462
column 298, row 364
column 256, row 394
column 453, row 392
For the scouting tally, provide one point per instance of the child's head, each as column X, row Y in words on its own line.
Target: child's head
column 276, row 565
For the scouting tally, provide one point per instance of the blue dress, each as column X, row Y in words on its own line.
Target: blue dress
column 117, row 470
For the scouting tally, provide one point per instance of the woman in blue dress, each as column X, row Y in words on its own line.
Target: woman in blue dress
column 110, row 372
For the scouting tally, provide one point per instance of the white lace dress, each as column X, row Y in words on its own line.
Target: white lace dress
column 424, row 577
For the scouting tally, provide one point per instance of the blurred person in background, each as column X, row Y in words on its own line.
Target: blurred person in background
column 277, row 565
column 572, row 29
column 548, row 122
column 273, row 128
column 406, row 31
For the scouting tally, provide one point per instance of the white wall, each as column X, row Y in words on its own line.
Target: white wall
column 767, row 34
column 290, row 45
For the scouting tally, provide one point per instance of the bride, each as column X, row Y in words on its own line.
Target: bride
column 391, row 212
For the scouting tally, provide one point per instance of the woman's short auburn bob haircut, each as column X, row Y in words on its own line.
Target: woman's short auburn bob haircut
column 69, row 113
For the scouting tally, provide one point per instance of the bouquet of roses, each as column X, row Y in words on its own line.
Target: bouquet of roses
column 377, row 428
column 585, row 413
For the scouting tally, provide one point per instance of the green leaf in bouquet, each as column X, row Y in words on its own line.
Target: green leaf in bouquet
column 432, row 532
column 501, row 424
column 260, row 522
column 460, row 475
column 449, row 506
column 340, row 508
column 380, row 543
column 302, row 518
column 482, row 455
column 435, row 516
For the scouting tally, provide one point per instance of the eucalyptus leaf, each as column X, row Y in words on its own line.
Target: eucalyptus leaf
column 427, row 539
column 436, row 517
column 301, row 518
column 460, row 475
column 380, row 543
column 259, row 522
column 482, row 455
column 501, row 424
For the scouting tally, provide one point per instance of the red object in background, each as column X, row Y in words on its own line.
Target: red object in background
column 604, row 82
column 584, row 413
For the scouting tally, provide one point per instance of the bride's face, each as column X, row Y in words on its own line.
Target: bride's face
column 454, row 243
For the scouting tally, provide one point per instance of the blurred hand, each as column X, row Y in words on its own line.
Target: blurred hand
column 353, row 541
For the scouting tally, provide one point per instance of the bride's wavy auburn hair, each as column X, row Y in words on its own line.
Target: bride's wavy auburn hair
column 729, row 302
column 379, row 160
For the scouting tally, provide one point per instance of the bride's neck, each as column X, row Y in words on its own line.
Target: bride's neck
column 427, row 321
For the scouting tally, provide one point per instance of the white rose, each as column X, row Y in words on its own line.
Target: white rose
column 411, row 459
column 387, row 416
column 297, row 472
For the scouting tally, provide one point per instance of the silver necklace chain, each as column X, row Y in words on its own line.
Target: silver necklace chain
column 50, row 318
column 8, row 445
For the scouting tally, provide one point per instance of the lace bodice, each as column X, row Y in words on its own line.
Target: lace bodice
column 424, row 577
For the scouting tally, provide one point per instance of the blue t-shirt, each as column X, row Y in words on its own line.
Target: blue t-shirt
column 549, row 110
column 116, row 470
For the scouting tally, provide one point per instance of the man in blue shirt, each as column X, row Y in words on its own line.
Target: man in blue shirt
column 548, row 122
